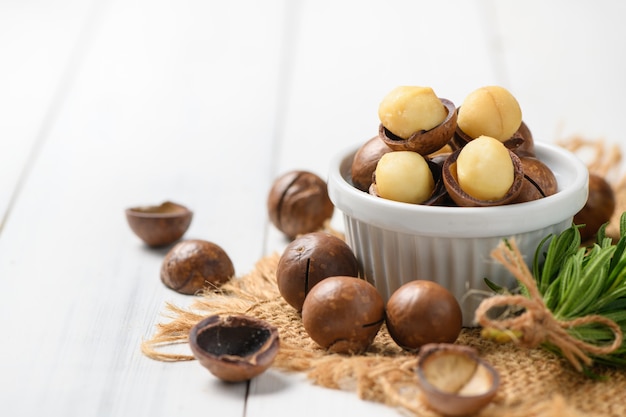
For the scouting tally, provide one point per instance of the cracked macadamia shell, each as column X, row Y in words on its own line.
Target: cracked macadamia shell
column 424, row 142
column 159, row 225
column 464, row 199
column 309, row 259
column 454, row 380
column 234, row 348
column 298, row 203
column 365, row 161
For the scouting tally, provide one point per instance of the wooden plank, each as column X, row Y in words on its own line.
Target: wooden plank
column 170, row 101
column 39, row 44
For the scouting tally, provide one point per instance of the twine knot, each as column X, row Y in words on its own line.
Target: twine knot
column 537, row 325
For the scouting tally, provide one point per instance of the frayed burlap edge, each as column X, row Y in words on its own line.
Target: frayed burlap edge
column 534, row 382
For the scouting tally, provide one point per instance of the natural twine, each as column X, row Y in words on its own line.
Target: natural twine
column 537, row 325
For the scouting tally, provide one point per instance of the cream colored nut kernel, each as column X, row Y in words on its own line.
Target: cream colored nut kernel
column 404, row 176
column 490, row 111
column 409, row 109
column 485, row 169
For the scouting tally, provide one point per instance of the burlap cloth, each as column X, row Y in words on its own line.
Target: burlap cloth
column 534, row 382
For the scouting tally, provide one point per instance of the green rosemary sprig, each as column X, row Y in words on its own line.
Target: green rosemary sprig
column 576, row 282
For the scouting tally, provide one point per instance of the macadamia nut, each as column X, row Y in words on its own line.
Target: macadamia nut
column 485, row 169
column 490, row 111
column 408, row 109
column 404, row 176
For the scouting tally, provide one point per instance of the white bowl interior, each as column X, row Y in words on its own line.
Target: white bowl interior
column 399, row 242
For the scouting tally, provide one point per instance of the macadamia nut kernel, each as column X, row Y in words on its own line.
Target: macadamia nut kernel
column 404, row 176
column 409, row 109
column 490, row 111
column 484, row 169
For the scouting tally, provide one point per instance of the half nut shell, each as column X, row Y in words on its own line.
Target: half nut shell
column 424, row 142
column 455, row 381
column 234, row 348
column 159, row 225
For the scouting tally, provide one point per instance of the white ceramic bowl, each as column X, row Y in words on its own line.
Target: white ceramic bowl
column 398, row 242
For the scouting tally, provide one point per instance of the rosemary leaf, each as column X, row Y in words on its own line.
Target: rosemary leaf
column 559, row 249
column 592, row 282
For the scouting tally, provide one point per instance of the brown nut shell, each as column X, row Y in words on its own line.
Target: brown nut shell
column 527, row 147
column 463, row 199
column 309, row 259
column 343, row 314
column 234, row 348
column 598, row 209
column 192, row 265
column 424, row 142
column 298, row 203
column 161, row 224
column 365, row 160
column 421, row 312
column 522, row 142
column 454, row 380
column 539, row 180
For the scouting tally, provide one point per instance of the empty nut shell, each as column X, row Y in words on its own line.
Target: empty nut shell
column 159, row 225
column 298, row 203
column 234, row 348
column 424, row 142
column 192, row 265
column 455, row 381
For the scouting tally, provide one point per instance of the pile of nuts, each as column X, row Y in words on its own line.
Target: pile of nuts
column 429, row 152
column 317, row 275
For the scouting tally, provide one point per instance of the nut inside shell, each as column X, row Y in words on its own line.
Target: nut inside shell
column 463, row 199
column 439, row 196
column 455, row 380
column 424, row 142
column 159, row 225
column 234, row 348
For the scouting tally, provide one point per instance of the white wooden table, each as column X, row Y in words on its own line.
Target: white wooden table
column 106, row 104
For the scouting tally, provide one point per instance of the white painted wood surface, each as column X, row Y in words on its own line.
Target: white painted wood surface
column 105, row 104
